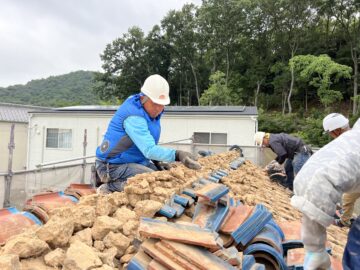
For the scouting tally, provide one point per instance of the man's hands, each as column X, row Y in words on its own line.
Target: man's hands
column 161, row 166
column 184, row 157
column 274, row 167
column 187, row 159
column 317, row 260
column 273, row 164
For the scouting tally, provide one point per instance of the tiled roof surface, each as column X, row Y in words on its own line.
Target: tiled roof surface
column 16, row 112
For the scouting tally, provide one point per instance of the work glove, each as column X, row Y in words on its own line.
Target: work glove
column 274, row 163
column 161, row 166
column 237, row 148
column 317, row 261
column 273, row 167
column 188, row 159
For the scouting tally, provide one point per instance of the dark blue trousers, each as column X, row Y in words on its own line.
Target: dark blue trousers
column 293, row 166
column 351, row 258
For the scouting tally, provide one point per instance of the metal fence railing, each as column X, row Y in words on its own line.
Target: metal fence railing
column 24, row 184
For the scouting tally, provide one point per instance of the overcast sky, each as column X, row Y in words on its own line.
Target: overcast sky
column 40, row 38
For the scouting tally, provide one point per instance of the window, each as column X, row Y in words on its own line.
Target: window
column 210, row 138
column 201, row 137
column 218, row 138
column 58, row 138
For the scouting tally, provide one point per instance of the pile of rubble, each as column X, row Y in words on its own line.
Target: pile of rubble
column 102, row 232
column 219, row 233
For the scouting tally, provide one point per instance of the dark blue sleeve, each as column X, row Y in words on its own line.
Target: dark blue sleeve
column 279, row 150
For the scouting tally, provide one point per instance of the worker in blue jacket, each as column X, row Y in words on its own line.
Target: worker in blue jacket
column 130, row 142
column 288, row 149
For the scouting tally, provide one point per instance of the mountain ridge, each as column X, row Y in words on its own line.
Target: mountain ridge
column 74, row 88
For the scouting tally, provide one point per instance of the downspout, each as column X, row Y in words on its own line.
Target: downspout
column 43, row 144
column 28, row 143
column 254, row 118
column 42, row 155
column 257, row 152
column 28, row 152
column 8, row 177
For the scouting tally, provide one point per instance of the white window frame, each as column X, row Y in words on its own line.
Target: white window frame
column 210, row 137
column 198, row 133
column 220, row 133
column 59, row 131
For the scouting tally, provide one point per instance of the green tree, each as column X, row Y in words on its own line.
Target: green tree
column 181, row 35
column 250, row 41
column 125, row 65
column 293, row 21
column 281, row 82
column 321, row 72
column 218, row 93
column 257, row 44
column 220, row 23
column 346, row 14
column 157, row 53
column 312, row 132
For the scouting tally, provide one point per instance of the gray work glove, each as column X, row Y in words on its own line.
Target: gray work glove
column 161, row 166
column 188, row 159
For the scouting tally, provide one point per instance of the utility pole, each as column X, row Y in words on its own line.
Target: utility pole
column 8, row 177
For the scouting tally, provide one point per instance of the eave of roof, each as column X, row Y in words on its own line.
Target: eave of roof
column 16, row 113
column 169, row 110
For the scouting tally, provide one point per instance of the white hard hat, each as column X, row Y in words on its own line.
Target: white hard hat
column 334, row 121
column 258, row 137
column 157, row 89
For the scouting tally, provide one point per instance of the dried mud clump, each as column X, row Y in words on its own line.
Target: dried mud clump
column 100, row 231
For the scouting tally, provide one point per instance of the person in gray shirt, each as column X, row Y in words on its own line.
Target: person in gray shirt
column 288, row 149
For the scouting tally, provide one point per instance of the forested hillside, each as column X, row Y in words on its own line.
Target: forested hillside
column 295, row 60
column 70, row 89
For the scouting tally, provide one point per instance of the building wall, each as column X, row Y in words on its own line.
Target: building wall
column 38, row 153
column 19, row 153
column 240, row 130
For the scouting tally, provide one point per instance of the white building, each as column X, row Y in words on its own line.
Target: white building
column 17, row 115
column 58, row 134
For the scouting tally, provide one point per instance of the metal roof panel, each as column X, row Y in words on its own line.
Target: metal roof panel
column 16, row 112
column 171, row 110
